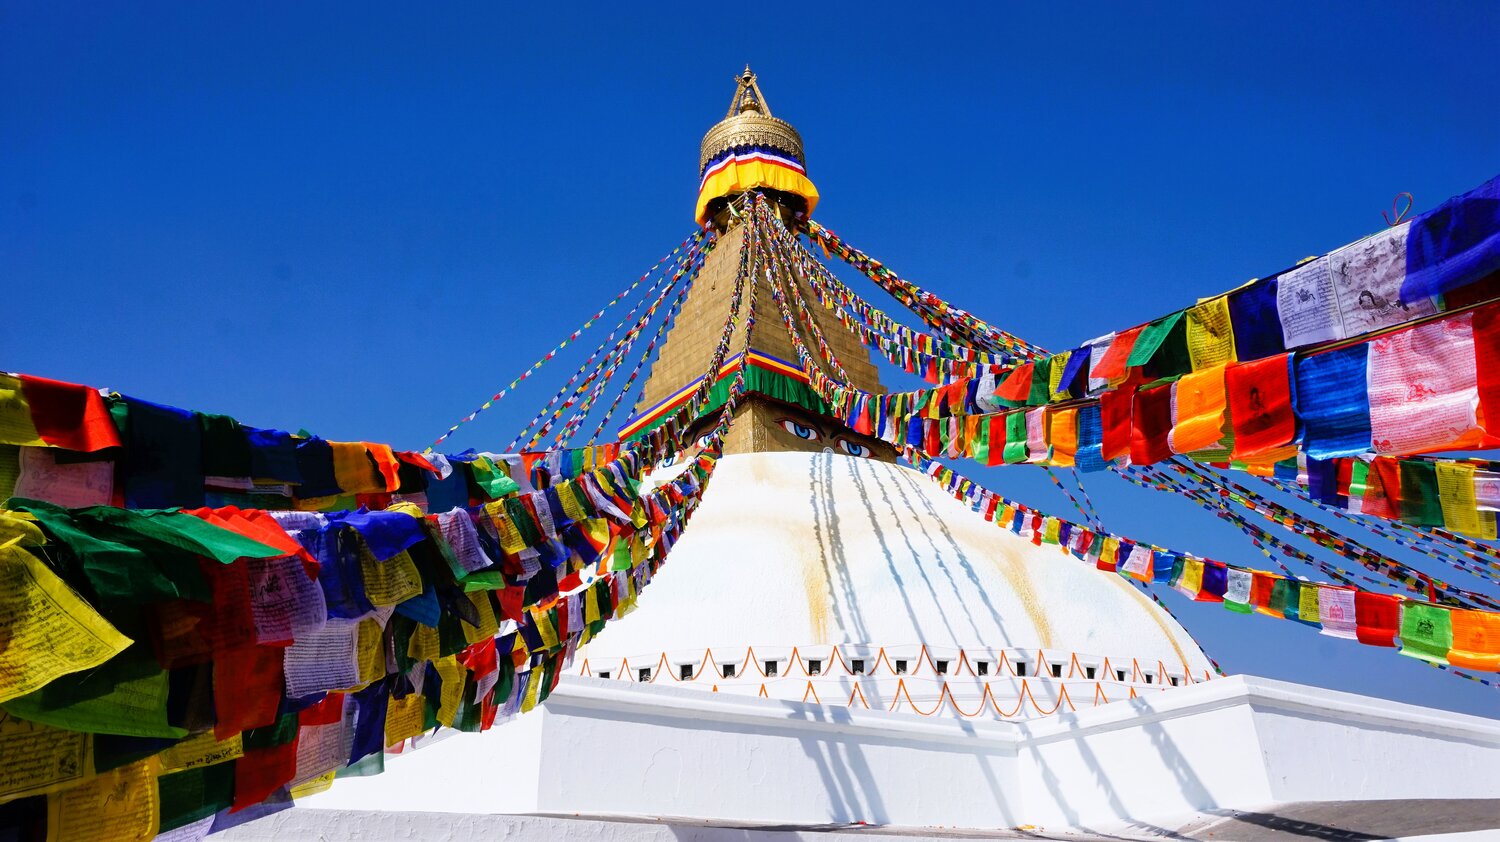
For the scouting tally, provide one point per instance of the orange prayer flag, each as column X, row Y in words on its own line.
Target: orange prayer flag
column 1476, row 640
column 1199, row 403
column 1063, row 436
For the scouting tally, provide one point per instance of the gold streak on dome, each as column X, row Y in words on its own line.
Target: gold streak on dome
column 749, row 123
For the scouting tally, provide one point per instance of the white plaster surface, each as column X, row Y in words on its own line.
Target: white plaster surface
column 1158, row 762
column 809, row 549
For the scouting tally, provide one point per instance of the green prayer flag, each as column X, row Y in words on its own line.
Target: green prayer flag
column 1041, row 374
column 1420, row 503
column 194, row 794
column 1015, row 438
column 979, row 447
column 113, row 699
column 492, row 479
column 1426, row 631
column 1284, row 597
column 1161, row 348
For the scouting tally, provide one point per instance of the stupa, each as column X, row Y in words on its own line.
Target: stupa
column 837, row 642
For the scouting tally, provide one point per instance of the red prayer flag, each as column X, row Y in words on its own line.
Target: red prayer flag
column 1112, row 364
column 1151, row 421
column 247, row 689
column 411, row 457
column 326, row 712
column 261, row 772
column 997, row 440
column 1114, row 410
column 1017, row 386
column 1260, row 405
column 1383, row 489
column 1261, row 585
column 1377, row 617
column 68, row 415
column 1486, row 364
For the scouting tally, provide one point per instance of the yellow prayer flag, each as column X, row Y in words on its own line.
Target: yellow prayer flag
column 201, row 750
column 404, row 718
column 392, row 581
column 314, row 786
column 15, row 415
column 1307, row 602
column 1054, row 376
column 452, row 694
column 370, row 650
column 424, row 644
column 37, row 759
column 1460, row 506
column 48, row 630
column 489, row 626
column 120, row 805
column 1210, row 336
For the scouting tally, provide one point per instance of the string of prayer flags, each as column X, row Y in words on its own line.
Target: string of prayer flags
column 1429, row 631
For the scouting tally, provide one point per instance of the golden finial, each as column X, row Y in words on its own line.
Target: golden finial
column 748, row 122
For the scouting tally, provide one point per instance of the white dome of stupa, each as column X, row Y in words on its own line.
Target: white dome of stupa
column 851, row 580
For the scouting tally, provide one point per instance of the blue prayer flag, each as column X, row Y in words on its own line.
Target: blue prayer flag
column 1333, row 402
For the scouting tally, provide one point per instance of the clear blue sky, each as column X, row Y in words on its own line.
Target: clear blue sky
column 364, row 219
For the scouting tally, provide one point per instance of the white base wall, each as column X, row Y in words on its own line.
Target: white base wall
column 609, row 748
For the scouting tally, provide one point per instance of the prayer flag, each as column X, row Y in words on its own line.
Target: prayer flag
column 1460, row 506
column 1210, row 339
column 1113, row 362
column 1453, row 244
column 1476, row 640
column 1237, row 590
column 1336, row 611
column 1260, row 406
column 1161, row 349
column 1198, row 404
column 1114, row 410
column 1332, row 402
column 68, row 415
column 1424, row 389
column 1151, row 425
column 1377, row 618
column 1256, row 323
column 1420, row 503
column 1063, row 438
column 1426, row 631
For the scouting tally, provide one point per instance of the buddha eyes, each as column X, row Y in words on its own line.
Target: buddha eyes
column 801, row 431
column 853, row 449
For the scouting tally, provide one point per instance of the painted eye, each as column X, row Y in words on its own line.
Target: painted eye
column 799, row 430
column 853, row 449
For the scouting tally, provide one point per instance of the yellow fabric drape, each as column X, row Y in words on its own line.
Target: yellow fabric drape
column 739, row 176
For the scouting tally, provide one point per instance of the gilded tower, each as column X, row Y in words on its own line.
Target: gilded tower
column 750, row 149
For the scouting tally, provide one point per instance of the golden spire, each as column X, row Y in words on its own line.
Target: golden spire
column 748, row 122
